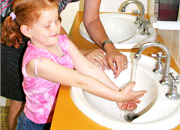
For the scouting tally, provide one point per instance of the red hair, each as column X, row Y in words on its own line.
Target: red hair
column 27, row 12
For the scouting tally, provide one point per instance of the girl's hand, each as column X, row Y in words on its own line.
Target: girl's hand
column 97, row 57
column 128, row 95
column 128, row 106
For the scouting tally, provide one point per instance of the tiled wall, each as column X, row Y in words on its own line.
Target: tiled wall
column 172, row 40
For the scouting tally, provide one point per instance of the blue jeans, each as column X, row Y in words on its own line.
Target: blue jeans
column 25, row 124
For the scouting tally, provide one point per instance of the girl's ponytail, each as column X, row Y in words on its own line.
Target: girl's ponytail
column 10, row 33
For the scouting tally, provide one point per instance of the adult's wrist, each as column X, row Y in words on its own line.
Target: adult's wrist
column 105, row 44
column 109, row 47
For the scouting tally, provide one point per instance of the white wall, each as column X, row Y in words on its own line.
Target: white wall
column 68, row 15
column 113, row 5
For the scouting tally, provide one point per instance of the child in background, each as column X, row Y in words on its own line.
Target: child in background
column 49, row 60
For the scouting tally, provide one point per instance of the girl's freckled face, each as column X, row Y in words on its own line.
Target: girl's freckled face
column 45, row 31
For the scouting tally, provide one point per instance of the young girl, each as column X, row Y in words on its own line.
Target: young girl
column 49, row 61
column 11, row 62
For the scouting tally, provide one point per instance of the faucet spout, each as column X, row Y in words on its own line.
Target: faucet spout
column 164, row 48
column 138, row 3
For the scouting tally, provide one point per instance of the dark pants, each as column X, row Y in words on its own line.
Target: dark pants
column 25, row 124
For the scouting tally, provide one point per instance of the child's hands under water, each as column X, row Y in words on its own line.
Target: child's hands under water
column 130, row 98
column 128, row 106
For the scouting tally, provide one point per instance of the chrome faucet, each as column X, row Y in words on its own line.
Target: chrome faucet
column 142, row 22
column 168, row 78
column 139, row 4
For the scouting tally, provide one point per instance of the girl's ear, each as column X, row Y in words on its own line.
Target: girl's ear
column 26, row 31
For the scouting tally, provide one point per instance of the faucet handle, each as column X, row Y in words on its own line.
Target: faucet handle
column 172, row 80
column 159, row 55
column 137, row 12
column 177, row 79
column 147, row 22
column 144, row 26
column 173, row 92
column 159, row 65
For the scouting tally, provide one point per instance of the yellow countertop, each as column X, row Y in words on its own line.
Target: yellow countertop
column 67, row 116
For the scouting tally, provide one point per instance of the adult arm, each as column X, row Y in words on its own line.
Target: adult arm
column 115, row 60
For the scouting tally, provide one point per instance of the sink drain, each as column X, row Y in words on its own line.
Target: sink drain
column 130, row 116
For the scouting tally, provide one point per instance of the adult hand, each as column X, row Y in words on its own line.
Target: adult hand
column 97, row 56
column 117, row 62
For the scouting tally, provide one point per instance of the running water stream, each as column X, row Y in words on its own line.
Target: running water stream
column 131, row 115
column 133, row 72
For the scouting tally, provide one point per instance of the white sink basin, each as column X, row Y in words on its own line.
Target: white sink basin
column 121, row 29
column 155, row 111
